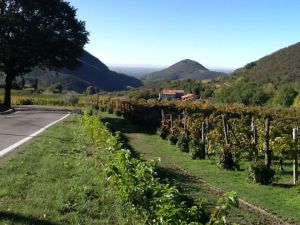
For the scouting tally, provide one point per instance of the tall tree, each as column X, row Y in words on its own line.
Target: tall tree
column 38, row 33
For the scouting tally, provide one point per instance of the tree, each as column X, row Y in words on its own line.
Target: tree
column 38, row 33
column 285, row 96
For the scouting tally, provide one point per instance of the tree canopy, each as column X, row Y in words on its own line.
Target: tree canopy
column 38, row 33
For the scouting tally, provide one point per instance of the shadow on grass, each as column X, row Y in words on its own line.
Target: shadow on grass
column 16, row 218
column 282, row 185
column 124, row 126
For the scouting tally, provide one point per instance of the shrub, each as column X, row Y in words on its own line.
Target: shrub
column 71, row 99
column 110, row 110
column 196, row 149
column 118, row 113
column 172, row 139
column 26, row 101
column 162, row 132
column 183, row 144
column 261, row 173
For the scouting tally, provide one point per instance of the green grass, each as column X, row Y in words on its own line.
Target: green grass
column 283, row 200
column 53, row 180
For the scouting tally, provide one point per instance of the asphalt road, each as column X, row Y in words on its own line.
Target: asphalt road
column 26, row 122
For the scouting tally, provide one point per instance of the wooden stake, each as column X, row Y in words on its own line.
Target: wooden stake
column 295, row 160
column 254, row 141
column 225, row 129
column 267, row 143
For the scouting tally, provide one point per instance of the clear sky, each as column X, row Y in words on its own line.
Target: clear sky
column 216, row 33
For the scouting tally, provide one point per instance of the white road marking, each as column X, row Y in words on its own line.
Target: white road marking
column 17, row 144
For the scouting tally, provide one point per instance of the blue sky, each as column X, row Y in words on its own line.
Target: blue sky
column 216, row 33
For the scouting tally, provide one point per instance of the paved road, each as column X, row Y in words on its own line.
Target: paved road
column 24, row 123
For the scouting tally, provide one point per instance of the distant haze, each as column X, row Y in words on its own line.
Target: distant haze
column 135, row 70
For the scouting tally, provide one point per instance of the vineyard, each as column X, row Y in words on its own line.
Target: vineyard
column 136, row 184
column 231, row 133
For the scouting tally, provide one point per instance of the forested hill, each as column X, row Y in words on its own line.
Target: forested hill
column 92, row 72
column 278, row 67
column 185, row 69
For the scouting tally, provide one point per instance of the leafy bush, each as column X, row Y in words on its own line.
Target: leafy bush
column 118, row 113
column 183, row 144
column 162, row 132
column 196, row 149
column 172, row 139
column 71, row 99
column 260, row 173
column 110, row 110
column 26, row 101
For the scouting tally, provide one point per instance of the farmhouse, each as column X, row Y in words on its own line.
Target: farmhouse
column 171, row 94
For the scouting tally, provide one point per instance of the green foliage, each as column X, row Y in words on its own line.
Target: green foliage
column 183, row 143
column 172, row 139
column 242, row 90
column 135, row 182
column 162, row 132
column 196, row 149
column 260, row 173
column 285, row 96
column 224, row 205
column 52, row 26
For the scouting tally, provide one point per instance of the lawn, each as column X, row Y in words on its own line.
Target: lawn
column 283, row 200
column 53, row 180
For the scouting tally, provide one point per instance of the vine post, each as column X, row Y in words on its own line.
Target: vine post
column 203, row 138
column 295, row 157
column 267, row 143
column 254, row 141
column 171, row 124
column 162, row 117
column 185, row 124
column 225, row 129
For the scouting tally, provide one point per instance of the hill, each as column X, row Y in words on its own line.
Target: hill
column 280, row 66
column 185, row 69
column 92, row 72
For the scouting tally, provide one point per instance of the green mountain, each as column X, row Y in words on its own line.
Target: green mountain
column 278, row 67
column 185, row 69
column 92, row 72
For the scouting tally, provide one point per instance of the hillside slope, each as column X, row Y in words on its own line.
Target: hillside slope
column 185, row 69
column 92, row 72
column 280, row 66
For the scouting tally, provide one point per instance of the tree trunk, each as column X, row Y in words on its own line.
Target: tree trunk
column 7, row 93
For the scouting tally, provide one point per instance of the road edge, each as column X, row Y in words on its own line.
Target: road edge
column 5, row 151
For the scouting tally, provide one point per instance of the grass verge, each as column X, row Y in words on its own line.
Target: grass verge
column 52, row 180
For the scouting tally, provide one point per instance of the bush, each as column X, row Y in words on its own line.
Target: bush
column 172, row 139
column 260, row 173
column 26, row 101
column 162, row 132
column 183, row 144
column 71, row 99
column 110, row 110
column 118, row 113
column 197, row 150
